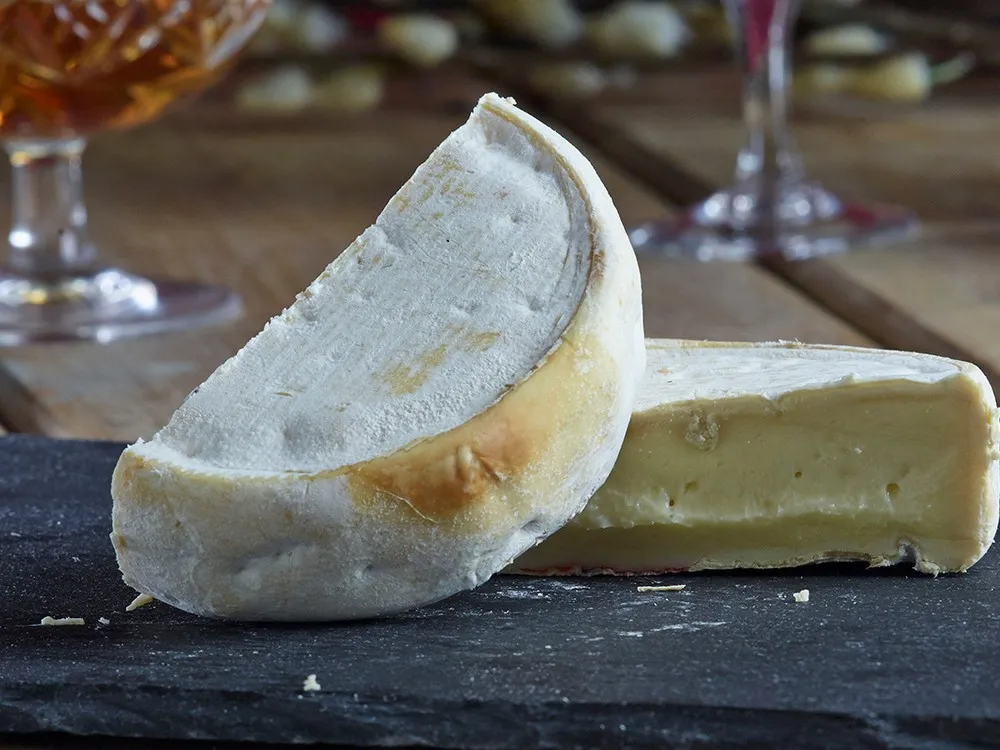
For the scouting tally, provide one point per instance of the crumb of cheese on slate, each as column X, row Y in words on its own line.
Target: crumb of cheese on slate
column 310, row 683
column 104, row 620
column 62, row 621
column 674, row 587
column 140, row 601
column 801, row 596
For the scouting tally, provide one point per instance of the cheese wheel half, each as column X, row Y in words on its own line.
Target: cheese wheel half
column 449, row 391
column 780, row 454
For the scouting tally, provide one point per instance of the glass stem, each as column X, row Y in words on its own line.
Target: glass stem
column 767, row 165
column 48, row 234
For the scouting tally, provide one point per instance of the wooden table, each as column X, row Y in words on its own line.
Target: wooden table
column 263, row 205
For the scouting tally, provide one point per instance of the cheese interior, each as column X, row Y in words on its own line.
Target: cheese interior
column 766, row 456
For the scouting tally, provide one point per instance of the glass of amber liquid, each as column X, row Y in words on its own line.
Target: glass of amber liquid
column 69, row 69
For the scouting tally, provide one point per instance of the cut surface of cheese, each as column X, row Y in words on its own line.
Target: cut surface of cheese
column 452, row 388
column 773, row 455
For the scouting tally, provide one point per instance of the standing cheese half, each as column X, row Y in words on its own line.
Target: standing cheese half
column 451, row 389
column 772, row 455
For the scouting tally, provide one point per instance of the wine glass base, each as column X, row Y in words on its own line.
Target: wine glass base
column 837, row 227
column 104, row 306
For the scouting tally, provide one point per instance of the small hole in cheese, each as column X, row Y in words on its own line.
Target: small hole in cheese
column 892, row 489
column 798, row 475
column 534, row 527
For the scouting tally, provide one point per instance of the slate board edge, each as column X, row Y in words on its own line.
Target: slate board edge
column 404, row 722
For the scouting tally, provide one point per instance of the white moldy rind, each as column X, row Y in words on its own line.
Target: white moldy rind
column 772, row 455
column 450, row 390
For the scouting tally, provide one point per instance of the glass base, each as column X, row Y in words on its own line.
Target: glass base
column 103, row 306
column 806, row 223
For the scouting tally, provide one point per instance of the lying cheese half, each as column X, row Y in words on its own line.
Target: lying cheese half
column 770, row 455
column 451, row 389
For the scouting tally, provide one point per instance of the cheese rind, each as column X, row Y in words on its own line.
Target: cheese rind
column 759, row 456
column 451, row 389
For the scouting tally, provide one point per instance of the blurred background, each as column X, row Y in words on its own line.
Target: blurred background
column 349, row 56
column 205, row 215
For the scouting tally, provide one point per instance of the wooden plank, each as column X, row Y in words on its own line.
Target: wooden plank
column 936, row 293
column 264, row 210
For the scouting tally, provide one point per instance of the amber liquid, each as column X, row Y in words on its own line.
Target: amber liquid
column 72, row 67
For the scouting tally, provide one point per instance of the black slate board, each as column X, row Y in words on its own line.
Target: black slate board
column 875, row 659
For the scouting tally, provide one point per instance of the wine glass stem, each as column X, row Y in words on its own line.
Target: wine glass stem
column 767, row 163
column 48, row 234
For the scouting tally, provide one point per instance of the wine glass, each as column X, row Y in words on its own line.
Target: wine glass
column 70, row 68
column 770, row 208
